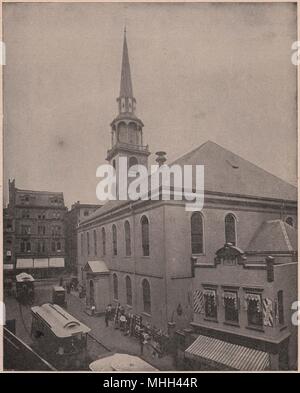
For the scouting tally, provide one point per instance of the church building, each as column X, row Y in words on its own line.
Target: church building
column 153, row 256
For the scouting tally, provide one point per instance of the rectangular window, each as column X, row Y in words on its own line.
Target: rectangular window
column 41, row 230
column 115, row 243
column 95, row 241
column 231, row 306
column 22, row 248
column 25, row 229
column 103, row 242
column 254, row 309
column 81, row 244
column 280, row 307
column 88, row 242
column 210, row 303
column 28, row 247
column 58, row 247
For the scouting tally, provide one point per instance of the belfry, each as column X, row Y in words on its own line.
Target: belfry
column 127, row 128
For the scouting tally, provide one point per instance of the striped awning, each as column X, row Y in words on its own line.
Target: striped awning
column 230, row 356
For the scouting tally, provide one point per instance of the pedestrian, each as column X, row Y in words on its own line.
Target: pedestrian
column 107, row 315
column 109, row 310
column 123, row 322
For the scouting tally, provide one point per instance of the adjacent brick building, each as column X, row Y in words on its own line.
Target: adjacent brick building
column 73, row 217
column 35, row 227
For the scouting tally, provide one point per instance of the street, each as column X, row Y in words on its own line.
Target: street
column 101, row 338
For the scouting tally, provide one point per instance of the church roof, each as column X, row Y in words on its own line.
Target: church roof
column 275, row 236
column 126, row 84
column 226, row 172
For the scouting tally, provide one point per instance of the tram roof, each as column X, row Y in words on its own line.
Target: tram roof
column 24, row 277
column 61, row 323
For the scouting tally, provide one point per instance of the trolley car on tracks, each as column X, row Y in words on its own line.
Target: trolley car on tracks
column 25, row 288
column 59, row 337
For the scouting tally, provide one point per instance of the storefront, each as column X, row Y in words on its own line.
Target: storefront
column 209, row 353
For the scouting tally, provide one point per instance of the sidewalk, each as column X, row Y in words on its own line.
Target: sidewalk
column 113, row 338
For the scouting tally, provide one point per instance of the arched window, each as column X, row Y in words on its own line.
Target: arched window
column 132, row 133
column 122, row 132
column 115, row 286
column 128, row 291
column 146, row 296
column 53, row 249
column 230, row 229
column 290, row 221
column 127, row 239
column 81, row 244
column 95, row 241
column 115, row 242
column 103, row 241
column 132, row 161
column 145, row 236
column 197, row 233
column 88, row 242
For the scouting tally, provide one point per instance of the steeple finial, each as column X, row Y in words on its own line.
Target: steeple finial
column 126, row 84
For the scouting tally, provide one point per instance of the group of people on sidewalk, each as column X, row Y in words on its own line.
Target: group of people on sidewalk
column 131, row 325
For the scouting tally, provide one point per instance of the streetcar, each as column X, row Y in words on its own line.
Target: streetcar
column 25, row 288
column 59, row 337
column 59, row 296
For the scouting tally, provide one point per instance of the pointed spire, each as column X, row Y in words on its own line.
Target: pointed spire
column 126, row 84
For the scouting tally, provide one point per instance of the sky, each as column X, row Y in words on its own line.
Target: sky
column 219, row 72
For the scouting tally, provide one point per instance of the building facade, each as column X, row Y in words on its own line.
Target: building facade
column 77, row 212
column 159, row 254
column 35, row 227
column 242, row 302
column 8, row 241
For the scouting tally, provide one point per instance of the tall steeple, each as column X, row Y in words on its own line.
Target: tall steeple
column 127, row 128
column 126, row 100
column 126, row 84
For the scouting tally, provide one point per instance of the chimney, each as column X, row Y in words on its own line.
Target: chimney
column 161, row 157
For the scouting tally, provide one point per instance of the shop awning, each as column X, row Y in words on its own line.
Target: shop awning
column 24, row 263
column 230, row 356
column 57, row 262
column 41, row 263
column 8, row 266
